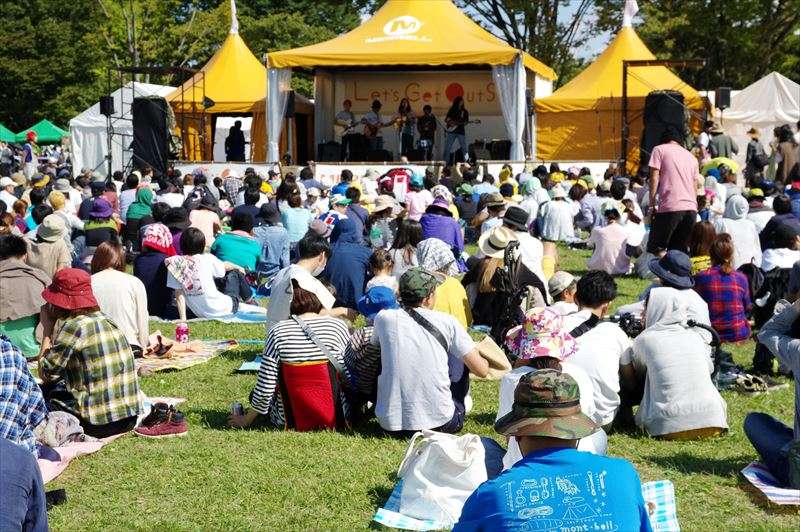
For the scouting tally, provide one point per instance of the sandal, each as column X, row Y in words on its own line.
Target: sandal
column 750, row 384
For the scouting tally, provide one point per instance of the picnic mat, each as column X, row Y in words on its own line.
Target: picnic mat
column 659, row 496
column 239, row 317
column 759, row 476
column 251, row 365
column 51, row 470
column 183, row 356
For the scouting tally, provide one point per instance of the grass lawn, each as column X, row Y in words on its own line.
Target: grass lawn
column 221, row 479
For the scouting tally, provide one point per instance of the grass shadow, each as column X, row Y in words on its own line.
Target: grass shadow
column 242, row 353
column 688, row 463
column 483, row 418
column 213, row 419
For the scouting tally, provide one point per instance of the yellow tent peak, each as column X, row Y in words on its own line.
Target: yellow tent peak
column 603, row 78
column 233, row 79
column 411, row 32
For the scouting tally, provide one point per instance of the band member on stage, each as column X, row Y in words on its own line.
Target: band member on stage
column 373, row 123
column 346, row 121
column 457, row 118
column 404, row 121
column 426, row 125
column 234, row 144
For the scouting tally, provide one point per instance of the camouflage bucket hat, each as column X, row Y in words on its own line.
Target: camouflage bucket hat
column 417, row 283
column 546, row 403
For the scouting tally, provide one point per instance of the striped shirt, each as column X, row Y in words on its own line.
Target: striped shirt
column 96, row 361
column 363, row 360
column 287, row 343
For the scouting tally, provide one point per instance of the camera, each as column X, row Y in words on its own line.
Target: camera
column 631, row 324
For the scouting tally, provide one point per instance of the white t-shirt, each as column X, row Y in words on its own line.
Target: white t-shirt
column 563, row 308
column 211, row 303
column 9, row 199
column 779, row 258
column 173, row 199
column 123, row 299
column 599, row 353
column 280, row 301
column 597, row 443
column 609, row 250
column 414, row 384
column 557, row 223
column 531, row 252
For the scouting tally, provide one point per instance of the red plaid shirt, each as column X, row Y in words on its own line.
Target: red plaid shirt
column 728, row 298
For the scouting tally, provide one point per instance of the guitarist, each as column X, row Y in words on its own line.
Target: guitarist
column 457, row 117
column 346, row 122
column 373, row 123
column 426, row 125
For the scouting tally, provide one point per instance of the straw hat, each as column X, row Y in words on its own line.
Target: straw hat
column 716, row 128
column 754, row 132
column 493, row 243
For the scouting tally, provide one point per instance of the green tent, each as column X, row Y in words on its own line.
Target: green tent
column 6, row 135
column 46, row 133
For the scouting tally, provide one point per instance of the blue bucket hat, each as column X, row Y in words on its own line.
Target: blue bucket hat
column 376, row 299
column 675, row 268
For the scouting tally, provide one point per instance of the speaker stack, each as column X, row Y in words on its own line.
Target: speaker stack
column 662, row 109
column 150, row 133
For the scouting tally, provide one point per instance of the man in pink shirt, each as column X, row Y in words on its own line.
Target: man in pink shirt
column 673, row 180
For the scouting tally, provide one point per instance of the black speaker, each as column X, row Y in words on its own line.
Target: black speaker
column 479, row 154
column 106, row 105
column 662, row 109
column 500, row 150
column 150, row 133
column 328, row 152
column 379, row 156
column 290, row 105
column 417, row 154
column 722, row 97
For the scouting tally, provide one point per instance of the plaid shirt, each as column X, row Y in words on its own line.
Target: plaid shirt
column 728, row 298
column 22, row 407
column 96, row 361
column 232, row 186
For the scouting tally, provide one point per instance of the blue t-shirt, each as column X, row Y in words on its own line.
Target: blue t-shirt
column 559, row 489
column 296, row 221
column 340, row 188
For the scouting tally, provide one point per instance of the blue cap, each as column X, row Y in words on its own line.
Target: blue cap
column 376, row 299
column 417, row 181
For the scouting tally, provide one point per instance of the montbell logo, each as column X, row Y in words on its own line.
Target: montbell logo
column 402, row 28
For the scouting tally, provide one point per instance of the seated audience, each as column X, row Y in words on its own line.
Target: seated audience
column 380, row 267
column 355, row 211
column 347, row 266
column 295, row 341
column 680, row 401
column 700, row 240
column 150, row 269
column 758, row 213
column 418, row 198
column 742, row 231
column 451, row 297
column 404, row 247
column 21, row 288
column 101, row 226
column 206, row 218
column 542, row 343
column 556, row 217
column 562, row 286
column 251, row 197
column 295, row 218
column 531, row 251
column 438, row 222
column 426, row 357
column 727, row 293
column 338, row 211
column 22, row 407
column 139, row 214
column 92, row 357
column 238, row 246
column 49, row 252
column 776, row 445
column 673, row 270
column 492, row 216
column 23, row 505
column 121, row 297
column 784, row 253
column 478, row 280
column 783, row 216
column 193, row 275
column 601, row 345
column 548, row 436
column 273, row 239
column 609, row 244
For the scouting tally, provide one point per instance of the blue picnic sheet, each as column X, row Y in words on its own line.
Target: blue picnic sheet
column 759, row 476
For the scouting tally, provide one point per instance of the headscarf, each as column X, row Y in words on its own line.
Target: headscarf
column 736, row 208
column 158, row 237
column 542, row 334
column 142, row 206
column 435, row 255
column 441, row 191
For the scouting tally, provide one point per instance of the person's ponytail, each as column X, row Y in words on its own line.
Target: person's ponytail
column 722, row 253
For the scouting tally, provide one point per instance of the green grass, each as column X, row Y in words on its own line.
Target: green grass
column 221, row 479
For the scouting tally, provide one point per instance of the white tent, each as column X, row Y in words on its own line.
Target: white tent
column 89, row 134
column 769, row 102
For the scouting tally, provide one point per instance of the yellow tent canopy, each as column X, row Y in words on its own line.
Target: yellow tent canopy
column 411, row 32
column 233, row 79
column 583, row 119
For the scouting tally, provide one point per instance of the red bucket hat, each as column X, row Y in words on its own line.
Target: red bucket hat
column 71, row 289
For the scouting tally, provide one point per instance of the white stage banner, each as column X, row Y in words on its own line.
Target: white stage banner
column 329, row 174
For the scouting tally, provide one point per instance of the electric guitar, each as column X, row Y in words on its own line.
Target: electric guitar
column 342, row 128
column 451, row 125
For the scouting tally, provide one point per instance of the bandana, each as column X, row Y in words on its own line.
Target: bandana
column 187, row 271
column 158, row 237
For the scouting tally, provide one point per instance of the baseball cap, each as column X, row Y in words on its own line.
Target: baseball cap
column 417, row 283
column 559, row 282
column 6, row 182
column 546, row 404
column 338, row 199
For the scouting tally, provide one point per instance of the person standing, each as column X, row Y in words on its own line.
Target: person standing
column 787, row 154
column 426, row 125
column 346, row 121
column 721, row 144
column 405, row 122
column 755, row 158
column 29, row 155
column 456, row 120
column 673, row 176
column 373, row 123
column 234, row 144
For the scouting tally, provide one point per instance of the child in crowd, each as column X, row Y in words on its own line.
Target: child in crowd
column 381, row 265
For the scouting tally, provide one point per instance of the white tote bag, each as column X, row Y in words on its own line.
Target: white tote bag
column 439, row 472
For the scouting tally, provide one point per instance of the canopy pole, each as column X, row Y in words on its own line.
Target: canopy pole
column 266, row 109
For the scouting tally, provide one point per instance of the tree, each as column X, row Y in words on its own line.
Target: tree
column 743, row 40
column 543, row 28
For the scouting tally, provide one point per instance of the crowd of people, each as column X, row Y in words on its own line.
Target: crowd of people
column 85, row 261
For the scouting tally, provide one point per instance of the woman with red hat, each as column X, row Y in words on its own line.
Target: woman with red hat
column 90, row 354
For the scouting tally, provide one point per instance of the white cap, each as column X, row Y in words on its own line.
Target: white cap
column 313, row 191
column 6, row 181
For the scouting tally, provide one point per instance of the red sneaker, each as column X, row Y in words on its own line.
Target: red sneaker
column 171, row 425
